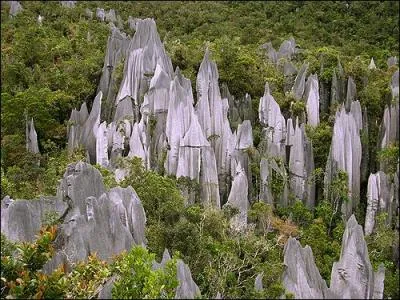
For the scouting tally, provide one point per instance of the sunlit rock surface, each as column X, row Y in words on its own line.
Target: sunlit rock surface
column 378, row 199
column 92, row 219
column 301, row 276
column 238, row 199
column 372, row 65
column 345, row 154
column 15, row 8
column 301, row 166
column 31, row 138
column 312, row 100
column 87, row 137
column 69, row 4
column 116, row 51
column 21, row 220
column 300, row 82
column 353, row 276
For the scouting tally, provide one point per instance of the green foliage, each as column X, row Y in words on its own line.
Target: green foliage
column 86, row 277
column 160, row 197
column 389, row 157
column 21, row 264
column 321, row 137
column 138, row 280
column 381, row 244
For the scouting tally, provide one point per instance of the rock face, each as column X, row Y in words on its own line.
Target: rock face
column 389, row 130
column 345, row 153
column 301, row 276
column 352, row 276
column 145, row 51
column 300, row 82
column 21, row 220
column 312, row 100
column 395, row 85
column 301, row 166
column 372, row 65
column 187, row 288
column 15, row 8
column 270, row 116
column 87, row 136
column 93, row 220
column 116, row 52
column 31, row 138
column 238, row 199
column 69, row 4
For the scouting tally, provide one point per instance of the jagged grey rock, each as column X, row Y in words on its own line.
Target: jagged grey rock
column 389, row 131
column 138, row 143
column 15, row 8
column 80, row 181
column 270, row 116
column 117, row 45
column 238, row 199
column 392, row 61
column 132, row 22
column 287, row 49
column 209, row 107
column 74, row 128
column 365, row 147
column 21, row 220
column 345, row 154
column 101, row 145
column 209, row 192
column 258, row 285
column 300, row 82
column 69, row 4
column 145, row 52
column 395, row 86
column 312, row 100
column 189, row 151
column 378, row 199
column 187, row 288
column 31, row 138
column 180, row 112
column 100, row 14
column 271, row 52
column 301, row 166
column 301, row 276
column 131, row 210
column 353, row 276
column 351, row 93
column 372, row 65
column 265, row 191
column 106, row 289
column 110, row 16
column 88, row 138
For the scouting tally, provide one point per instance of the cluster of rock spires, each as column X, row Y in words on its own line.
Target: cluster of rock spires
column 352, row 276
column 93, row 220
column 152, row 114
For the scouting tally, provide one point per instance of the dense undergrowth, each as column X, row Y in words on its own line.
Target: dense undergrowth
column 48, row 69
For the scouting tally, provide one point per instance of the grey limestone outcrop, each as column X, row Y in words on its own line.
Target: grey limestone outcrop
column 345, row 154
column 15, row 8
column 378, row 199
column 312, row 100
column 31, row 138
column 301, row 276
column 352, row 276
column 92, row 219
